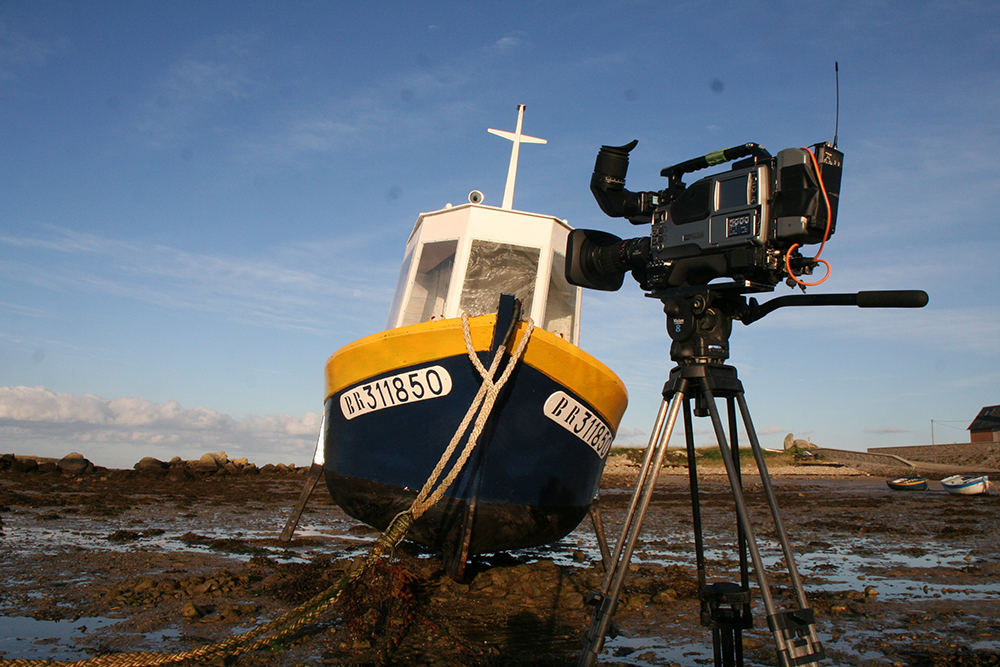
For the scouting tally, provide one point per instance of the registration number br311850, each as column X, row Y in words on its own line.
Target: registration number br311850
column 573, row 416
column 408, row 387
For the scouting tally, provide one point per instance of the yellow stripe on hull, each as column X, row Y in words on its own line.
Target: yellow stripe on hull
column 421, row 343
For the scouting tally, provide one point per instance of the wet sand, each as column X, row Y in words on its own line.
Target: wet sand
column 122, row 561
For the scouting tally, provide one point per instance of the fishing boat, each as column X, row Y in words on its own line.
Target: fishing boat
column 966, row 485
column 395, row 399
column 907, row 483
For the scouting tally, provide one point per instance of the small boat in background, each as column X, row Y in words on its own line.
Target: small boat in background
column 966, row 485
column 907, row 483
column 394, row 399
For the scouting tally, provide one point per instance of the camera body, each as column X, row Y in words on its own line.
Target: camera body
column 745, row 223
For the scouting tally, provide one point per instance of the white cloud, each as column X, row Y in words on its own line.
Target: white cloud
column 509, row 43
column 19, row 52
column 357, row 121
column 197, row 86
column 287, row 293
column 887, row 430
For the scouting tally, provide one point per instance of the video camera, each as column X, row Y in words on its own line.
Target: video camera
column 746, row 223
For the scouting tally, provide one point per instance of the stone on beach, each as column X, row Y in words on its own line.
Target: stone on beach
column 75, row 463
column 150, row 463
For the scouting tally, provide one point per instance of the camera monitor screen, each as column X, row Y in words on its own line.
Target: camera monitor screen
column 733, row 192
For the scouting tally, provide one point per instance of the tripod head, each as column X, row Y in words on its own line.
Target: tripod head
column 700, row 319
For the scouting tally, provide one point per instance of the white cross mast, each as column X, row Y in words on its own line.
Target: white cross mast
column 517, row 138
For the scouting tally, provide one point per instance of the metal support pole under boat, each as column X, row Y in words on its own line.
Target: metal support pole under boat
column 315, row 472
column 602, row 541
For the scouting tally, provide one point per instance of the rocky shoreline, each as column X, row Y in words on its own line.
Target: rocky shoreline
column 166, row 559
column 75, row 463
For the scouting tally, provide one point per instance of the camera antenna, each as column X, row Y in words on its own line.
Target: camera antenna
column 836, row 122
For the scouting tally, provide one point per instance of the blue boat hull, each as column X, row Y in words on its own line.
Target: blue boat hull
column 531, row 479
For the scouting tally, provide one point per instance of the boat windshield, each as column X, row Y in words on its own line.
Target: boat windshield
column 401, row 283
column 560, row 304
column 431, row 282
column 496, row 268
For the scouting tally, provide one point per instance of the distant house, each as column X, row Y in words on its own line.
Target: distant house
column 986, row 426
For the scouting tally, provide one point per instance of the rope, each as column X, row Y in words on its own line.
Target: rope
column 487, row 395
column 295, row 619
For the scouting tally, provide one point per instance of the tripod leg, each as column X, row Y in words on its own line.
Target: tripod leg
column 741, row 538
column 614, row 576
column 699, row 542
column 741, row 509
column 779, row 526
column 794, row 631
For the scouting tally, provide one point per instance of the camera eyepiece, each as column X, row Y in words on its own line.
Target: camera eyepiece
column 608, row 186
column 612, row 161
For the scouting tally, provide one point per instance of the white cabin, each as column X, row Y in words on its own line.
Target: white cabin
column 462, row 257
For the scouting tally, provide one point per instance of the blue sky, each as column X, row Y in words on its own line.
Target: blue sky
column 200, row 202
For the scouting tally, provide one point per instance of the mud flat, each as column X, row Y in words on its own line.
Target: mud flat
column 110, row 561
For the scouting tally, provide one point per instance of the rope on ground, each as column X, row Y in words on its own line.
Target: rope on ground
column 295, row 619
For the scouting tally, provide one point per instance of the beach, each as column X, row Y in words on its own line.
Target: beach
column 108, row 561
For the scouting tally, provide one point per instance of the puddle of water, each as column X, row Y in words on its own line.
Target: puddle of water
column 850, row 565
column 29, row 639
column 656, row 651
column 26, row 535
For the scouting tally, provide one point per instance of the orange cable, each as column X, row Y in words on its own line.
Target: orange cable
column 826, row 233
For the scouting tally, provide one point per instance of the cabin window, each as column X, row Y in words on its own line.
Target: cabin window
column 430, row 284
column 496, row 268
column 401, row 282
column 560, row 306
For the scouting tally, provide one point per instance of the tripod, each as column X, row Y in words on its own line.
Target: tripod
column 699, row 320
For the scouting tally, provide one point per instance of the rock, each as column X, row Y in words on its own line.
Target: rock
column 148, row 463
column 177, row 461
column 665, row 596
column 74, row 464
column 791, row 443
column 207, row 463
column 178, row 473
column 145, row 585
column 191, row 611
column 23, row 465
